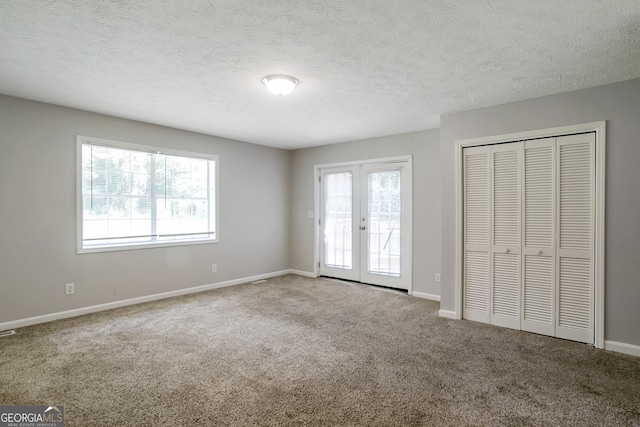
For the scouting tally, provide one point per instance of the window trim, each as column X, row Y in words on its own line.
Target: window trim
column 80, row 140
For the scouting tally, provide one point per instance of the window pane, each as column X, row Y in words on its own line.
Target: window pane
column 339, row 219
column 384, row 223
column 177, row 216
column 181, row 177
column 131, row 196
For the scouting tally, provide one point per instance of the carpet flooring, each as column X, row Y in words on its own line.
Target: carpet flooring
column 302, row 351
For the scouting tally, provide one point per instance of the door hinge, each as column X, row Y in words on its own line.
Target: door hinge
column 319, row 179
column 319, row 221
column 318, row 264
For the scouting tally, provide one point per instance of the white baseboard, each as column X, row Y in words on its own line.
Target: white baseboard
column 21, row 323
column 448, row 314
column 432, row 297
column 303, row 273
column 620, row 347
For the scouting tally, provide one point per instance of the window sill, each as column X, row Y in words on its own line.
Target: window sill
column 135, row 246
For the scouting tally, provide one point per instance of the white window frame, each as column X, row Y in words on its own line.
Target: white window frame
column 80, row 140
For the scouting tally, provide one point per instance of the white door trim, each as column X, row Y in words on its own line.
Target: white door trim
column 599, row 259
column 317, row 171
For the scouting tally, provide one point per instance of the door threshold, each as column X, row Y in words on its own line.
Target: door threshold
column 378, row 287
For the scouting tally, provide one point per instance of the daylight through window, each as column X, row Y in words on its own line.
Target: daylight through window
column 134, row 196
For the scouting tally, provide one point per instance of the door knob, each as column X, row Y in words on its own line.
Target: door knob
column 539, row 252
column 362, row 227
column 506, row 251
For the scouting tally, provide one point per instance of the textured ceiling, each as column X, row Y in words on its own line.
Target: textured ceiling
column 366, row 68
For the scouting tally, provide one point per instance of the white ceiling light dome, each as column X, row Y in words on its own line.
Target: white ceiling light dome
column 280, row 84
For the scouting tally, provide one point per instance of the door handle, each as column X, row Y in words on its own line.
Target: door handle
column 362, row 227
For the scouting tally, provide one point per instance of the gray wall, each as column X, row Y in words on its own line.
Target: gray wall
column 619, row 105
column 424, row 146
column 38, row 216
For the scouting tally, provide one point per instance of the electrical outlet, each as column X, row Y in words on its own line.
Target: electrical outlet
column 437, row 277
column 69, row 289
column 214, row 268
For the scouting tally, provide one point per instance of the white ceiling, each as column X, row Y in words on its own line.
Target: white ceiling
column 366, row 67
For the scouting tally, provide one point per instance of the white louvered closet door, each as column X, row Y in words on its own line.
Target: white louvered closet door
column 538, row 290
column 505, row 235
column 575, row 218
column 529, row 213
column 476, row 169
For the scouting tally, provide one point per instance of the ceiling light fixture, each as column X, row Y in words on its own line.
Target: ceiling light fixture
column 280, row 84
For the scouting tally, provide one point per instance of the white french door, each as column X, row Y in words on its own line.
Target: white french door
column 340, row 222
column 365, row 223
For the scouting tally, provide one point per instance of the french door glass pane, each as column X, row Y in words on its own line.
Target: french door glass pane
column 384, row 223
column 339, row 219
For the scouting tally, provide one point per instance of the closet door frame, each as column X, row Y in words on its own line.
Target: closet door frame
column 599, row 128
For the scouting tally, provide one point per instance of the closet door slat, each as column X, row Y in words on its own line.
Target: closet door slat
column 505, row 237
column 476, row 233
column 575, row 216
column 538, row 290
